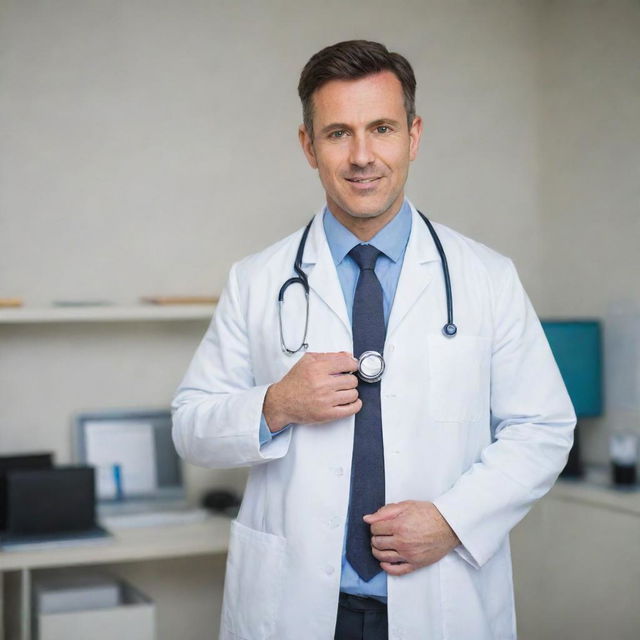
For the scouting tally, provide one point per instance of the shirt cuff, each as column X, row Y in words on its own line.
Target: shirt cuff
column 266, row 435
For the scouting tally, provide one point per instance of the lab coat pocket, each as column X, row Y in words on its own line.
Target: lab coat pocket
column 458, row 377
column 476, row 604
column 253, row 583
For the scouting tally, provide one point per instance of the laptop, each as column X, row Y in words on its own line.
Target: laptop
column 12, row 463
column 139, row 473
column 51, row 508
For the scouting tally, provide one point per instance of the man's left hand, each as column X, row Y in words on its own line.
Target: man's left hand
column 408, row 535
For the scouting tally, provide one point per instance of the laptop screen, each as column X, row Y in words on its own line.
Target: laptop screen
column 50, row 500
column 12, row 463
column 133, row 454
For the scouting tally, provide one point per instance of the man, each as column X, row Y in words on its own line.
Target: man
column 379, row 502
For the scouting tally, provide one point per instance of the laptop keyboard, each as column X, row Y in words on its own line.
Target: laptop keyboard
column 154, row 518
column 15, row 542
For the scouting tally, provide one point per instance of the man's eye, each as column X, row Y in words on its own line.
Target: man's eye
column 383, row 129
column 338, row 134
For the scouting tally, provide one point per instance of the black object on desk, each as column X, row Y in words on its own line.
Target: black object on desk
column 51, row 506
column 13, row 463
column 222, row 501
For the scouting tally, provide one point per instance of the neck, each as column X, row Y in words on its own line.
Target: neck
column 365, row 227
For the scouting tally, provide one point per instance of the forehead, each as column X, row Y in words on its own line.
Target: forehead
column 367, row 99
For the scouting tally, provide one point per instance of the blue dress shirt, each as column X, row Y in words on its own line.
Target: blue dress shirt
column 392, row 241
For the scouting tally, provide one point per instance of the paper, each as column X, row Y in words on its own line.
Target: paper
column 128, row 444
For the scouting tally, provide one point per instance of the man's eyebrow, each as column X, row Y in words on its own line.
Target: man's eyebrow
column 382, row 121
column 336, row 126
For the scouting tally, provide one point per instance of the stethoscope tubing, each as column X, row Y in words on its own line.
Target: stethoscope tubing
column 449, row 329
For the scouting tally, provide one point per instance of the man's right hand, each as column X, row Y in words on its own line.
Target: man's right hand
column 320, row 387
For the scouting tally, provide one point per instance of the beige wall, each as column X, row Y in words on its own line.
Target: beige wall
column 146, row 145
column 589, row 192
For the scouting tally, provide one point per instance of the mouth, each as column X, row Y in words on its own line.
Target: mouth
column 363, row 181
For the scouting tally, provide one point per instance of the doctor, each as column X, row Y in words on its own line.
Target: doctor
column 374, row 508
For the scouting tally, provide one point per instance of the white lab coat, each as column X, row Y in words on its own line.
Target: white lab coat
column 480, row 424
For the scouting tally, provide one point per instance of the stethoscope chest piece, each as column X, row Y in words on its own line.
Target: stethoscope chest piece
column 370, row 366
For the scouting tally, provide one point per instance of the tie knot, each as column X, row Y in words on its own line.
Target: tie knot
column 365, row 256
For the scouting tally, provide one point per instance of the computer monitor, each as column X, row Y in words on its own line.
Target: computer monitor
column 576, row 346
column 59, row 500
column 133, row 454
column 15, row 462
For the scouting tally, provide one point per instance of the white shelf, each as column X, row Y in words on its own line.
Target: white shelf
column 107, row 313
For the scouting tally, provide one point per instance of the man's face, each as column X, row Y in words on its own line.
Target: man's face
column 362, row 146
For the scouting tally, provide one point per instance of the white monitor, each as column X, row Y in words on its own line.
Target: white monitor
column 132, row 452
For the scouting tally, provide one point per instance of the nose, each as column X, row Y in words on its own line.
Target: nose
column 361, row 152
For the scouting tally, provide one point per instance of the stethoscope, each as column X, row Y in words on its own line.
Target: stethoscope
column 371, row 364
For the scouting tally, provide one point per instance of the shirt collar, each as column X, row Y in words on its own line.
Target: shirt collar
column 391, row 239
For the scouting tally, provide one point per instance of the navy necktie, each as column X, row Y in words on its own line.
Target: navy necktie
column 367, row 466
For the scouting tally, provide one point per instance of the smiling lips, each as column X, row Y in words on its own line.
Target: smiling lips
column 363, row 182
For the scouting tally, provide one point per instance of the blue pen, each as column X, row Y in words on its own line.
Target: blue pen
column 117, row 478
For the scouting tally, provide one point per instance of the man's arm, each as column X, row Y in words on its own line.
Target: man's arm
column 532, row 420
column 218, row 409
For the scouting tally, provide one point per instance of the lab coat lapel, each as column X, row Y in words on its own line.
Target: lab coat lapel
column 421, row 262
column 321, row 270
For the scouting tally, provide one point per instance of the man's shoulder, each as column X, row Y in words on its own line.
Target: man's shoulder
column 463, row 247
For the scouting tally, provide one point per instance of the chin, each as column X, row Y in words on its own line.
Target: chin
column 364, row 214
column 371, row 211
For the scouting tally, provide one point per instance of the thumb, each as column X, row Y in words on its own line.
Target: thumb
column 386, row 512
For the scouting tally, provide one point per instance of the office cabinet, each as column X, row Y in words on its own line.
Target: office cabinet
column 576, row 559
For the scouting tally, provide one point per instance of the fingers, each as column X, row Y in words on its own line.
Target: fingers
column 397, row 569
column 383, row 543
column 344, row 381
column 346, row 397
column 383, row 528
column 388, row 555
column 345, row 410
column 340, row 362
column 386, row 512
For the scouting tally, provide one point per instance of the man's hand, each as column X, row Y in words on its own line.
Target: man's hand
column 408, row 535
column 318, row 388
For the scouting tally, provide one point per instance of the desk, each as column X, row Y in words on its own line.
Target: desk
column 576, row 560
column 128, row 545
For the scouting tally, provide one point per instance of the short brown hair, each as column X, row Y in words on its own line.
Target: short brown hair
column 351, row 60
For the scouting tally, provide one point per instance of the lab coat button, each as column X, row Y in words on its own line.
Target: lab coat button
column 329, row 570
column 339, row 471
column 334, row 522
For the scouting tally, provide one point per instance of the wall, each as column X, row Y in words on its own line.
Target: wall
column 146, row 145
column 590, row 185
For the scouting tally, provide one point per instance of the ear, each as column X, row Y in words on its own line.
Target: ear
column 415, row 133
column 306, row 142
